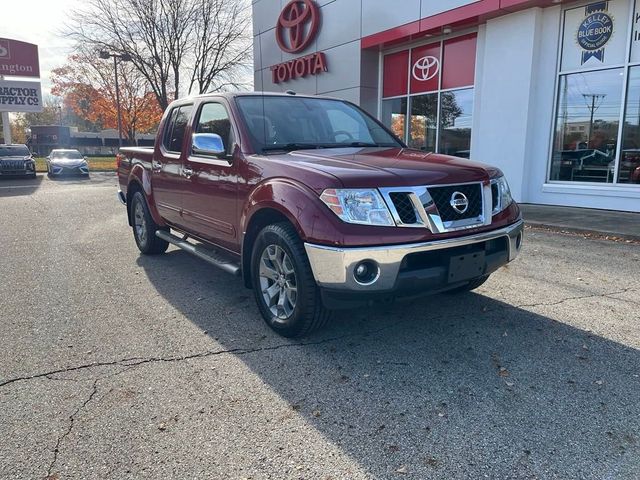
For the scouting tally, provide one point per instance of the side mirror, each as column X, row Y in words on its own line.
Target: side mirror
column 209, row 144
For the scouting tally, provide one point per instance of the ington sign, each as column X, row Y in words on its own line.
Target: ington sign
column 297, row 27
column 19, row 58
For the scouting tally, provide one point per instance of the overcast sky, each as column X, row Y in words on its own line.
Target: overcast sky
column 39, row 22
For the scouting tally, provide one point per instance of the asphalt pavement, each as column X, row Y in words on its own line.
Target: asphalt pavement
column 118, row 366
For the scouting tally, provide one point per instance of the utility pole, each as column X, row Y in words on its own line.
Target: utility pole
column 125, row 57
column 594, row 97
column 6, row 126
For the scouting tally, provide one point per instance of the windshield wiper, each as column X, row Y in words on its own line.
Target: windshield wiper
column 370, row 144
column 289, row 147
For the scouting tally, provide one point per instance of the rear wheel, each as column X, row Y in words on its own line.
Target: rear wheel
column 471, row 285
column 283, row 284
column 144, row 228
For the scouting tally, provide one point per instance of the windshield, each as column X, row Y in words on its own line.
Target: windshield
column 293, row 123
column 71, row 154
column 14, row 151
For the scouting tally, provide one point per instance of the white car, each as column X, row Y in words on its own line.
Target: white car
column 67, row 162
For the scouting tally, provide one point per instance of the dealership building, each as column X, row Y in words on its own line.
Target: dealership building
column 547, row 90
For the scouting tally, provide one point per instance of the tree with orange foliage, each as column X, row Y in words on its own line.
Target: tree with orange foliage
column 87, row 85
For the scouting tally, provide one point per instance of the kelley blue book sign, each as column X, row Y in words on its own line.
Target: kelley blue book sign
column 18, row 96
column 595, row 35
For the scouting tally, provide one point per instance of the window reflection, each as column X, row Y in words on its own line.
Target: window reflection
column 629, row 171
column 587, row 126
column 394, row 114
column 456, row 109
column 424, row 115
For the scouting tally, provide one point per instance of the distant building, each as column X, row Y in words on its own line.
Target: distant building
column 45, row 138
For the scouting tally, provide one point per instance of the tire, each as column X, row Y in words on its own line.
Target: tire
column 144, row 228
column 286, row 292
column 471, row 285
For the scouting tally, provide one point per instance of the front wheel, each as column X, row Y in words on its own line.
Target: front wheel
column 144, row 228
column 283, row 284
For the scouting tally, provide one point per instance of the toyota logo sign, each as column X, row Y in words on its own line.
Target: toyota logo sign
column 297, row 25
column 426, row 68
column 459, row 202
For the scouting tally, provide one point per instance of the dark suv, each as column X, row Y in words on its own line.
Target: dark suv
column 16, row 160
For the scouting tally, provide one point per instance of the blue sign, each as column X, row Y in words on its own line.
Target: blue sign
column 595, row 31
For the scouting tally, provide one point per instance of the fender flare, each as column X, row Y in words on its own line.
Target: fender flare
column 299, row 204
column 140, row 178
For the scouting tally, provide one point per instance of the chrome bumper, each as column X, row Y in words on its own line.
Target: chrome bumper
column 334, row 267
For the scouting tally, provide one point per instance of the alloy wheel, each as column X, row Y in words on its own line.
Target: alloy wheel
column 140, row 223
column 278, row 282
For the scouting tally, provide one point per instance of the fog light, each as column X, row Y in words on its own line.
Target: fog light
column 366, row 272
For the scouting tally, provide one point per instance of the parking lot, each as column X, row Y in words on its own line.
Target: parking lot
column 115, row 365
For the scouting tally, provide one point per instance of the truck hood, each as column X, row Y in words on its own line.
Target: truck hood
column 389, row 167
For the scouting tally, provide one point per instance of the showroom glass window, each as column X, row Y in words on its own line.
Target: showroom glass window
column 427, row 95
column 597, row 124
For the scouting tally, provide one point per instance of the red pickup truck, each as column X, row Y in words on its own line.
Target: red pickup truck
column 315, row 204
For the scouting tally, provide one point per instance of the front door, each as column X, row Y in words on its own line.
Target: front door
column 210, row 199
column 167, row 179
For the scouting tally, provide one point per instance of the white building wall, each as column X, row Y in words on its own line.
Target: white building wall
column 513, row 120
column 504, row 108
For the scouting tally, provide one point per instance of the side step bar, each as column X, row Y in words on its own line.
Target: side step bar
column 210, row 256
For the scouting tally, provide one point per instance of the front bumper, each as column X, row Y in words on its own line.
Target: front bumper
column 81, row 169
column 399, row 265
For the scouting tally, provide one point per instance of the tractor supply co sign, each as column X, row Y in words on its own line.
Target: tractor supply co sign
column 19, row 59
column 297, row 27
column 20, row 96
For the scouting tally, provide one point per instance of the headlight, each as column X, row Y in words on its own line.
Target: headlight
column 500, row 194
column 365, row 207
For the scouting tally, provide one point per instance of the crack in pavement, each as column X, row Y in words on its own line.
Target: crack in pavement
column 137, row 361
column 580, row 297
column 72, row 418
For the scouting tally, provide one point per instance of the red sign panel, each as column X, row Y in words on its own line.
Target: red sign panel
column 395, row 74
column 18, row 59
column 459, row 61
column 425, row 68
column 297, row 25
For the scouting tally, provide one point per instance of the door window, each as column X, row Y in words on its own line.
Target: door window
column 215, row 119
column 178, row 120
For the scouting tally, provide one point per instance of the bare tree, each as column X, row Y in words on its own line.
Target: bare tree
column 207, row 42
column 219, row 45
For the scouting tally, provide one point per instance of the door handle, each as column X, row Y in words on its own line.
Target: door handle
column 187, row 171
column 156, row 165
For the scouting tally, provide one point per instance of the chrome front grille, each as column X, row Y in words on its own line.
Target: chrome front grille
column 404, row 207
column 432, row 206
column 12, row 165
column 442, row 198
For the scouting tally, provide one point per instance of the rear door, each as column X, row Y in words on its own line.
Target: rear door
column 167, row 179
column 209, row 204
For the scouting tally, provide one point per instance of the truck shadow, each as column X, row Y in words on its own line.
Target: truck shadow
column 447, row 386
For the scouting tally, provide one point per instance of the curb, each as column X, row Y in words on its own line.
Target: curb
column 583, row 231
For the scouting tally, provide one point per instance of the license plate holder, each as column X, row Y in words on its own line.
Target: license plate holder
column 466, row 267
